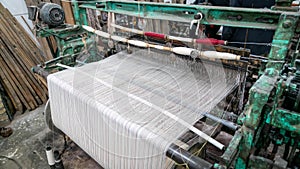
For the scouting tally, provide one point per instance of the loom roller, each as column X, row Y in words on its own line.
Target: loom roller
column 185, row 51
column 177, row 50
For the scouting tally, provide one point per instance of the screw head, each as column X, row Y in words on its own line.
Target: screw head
column 287, row 24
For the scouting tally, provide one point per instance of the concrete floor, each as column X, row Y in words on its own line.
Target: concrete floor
column 26, row 145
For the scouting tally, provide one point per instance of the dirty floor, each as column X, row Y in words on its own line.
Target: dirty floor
column 24, row 149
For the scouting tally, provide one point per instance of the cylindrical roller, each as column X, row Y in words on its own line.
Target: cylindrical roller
column 119, row 39
column 178, row 50
column 226, row 123
column 188, row 40
column 219, row 55
column 182, row 156
column 209, row 41
column 183, row 51
column 138, row 43
column 155, row 35
column 50, row 157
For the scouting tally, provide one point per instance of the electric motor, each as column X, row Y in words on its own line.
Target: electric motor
column 52, row 14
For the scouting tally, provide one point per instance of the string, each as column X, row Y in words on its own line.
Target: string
column 255, row 43
column 218, row 124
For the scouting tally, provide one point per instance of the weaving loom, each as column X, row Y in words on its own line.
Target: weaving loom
column 118, row 106
column 163, row 89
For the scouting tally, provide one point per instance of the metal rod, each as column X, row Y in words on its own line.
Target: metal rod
column 226, row 123
column 182, row 156
column 40, row 71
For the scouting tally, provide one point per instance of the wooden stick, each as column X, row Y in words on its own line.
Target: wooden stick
column 18, row 73
column 27, row 55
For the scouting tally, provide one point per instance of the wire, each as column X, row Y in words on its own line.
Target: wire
column 13, row 160
column 255, row 43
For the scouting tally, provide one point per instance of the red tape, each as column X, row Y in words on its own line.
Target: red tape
column 154, row 35
column 210, row 41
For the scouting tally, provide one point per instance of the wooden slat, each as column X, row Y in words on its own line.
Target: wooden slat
column 56, row 2
column 11, row 92
column 25, row 60
column 17, row 73
column 18, row 54
column 13, row 88
column 67, row 7
column 45, row 48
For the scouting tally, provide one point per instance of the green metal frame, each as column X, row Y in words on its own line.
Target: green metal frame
column 71, row 40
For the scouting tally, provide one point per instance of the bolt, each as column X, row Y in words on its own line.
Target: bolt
column 197, row 17
column 239, row 17
column 286, row 24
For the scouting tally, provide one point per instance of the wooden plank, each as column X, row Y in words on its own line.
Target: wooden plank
column 45, row 48
column 21, row 56
column 11, row 92
column 53, row 44
column 47, row 53
column 10, row 110
column 26, row 55
column 18, row 53
column 56, row 2
column 18, row 87
column 67, row 7
column 19, row 73
column 14, row 88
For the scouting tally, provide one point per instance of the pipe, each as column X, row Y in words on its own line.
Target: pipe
column 178, row 50
column 50, row 157
column 40, row 71
column 226, row 123
column 182, row 156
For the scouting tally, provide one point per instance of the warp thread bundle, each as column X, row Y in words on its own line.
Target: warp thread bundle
column 116, row 109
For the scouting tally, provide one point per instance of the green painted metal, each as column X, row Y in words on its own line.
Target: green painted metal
column 286, row 120
column 283, row 35
column 71, row 41
column 258, row 97
column 236, row 17
column 283, row 3
column 232, row 149
column 76, row 12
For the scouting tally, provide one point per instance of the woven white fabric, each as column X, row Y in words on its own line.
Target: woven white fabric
column 122, row 110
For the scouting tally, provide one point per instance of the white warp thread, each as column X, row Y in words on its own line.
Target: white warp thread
column 121, row 132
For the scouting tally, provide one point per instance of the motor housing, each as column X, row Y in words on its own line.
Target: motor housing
column 52, row 14
column 47, row 13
